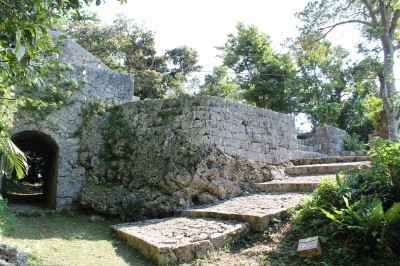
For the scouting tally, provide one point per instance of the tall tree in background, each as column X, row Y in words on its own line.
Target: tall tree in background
column 130, row 47
column 264, row 76
column 377, row 20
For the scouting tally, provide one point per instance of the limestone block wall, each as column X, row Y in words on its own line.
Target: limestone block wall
column 236, row 129
column 63, row 125
column 167, row 155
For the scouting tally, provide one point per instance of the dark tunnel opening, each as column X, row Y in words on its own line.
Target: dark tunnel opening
column 39, row 186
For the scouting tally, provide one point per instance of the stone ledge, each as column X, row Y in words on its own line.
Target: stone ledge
column 332, row 159
column 306, row 183
column 329, row 168
column 179, row 239
column 256, row 209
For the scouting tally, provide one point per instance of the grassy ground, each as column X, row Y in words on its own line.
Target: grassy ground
column 76, row 240
column 84, row 239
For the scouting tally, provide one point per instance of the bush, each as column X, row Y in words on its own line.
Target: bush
column 353, row 143
column 369, row 182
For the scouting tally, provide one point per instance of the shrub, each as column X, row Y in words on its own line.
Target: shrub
column 353, row 143
column 367, row 218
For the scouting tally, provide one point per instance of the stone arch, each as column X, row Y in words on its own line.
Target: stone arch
column 44, row 159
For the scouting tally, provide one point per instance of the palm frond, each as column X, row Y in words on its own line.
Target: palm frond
column 13, row 159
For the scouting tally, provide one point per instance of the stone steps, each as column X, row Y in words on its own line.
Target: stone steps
column 200, row 230
column 327, row 168
column 167, row 241
column 333, row 159
column 257, row 209
column 293, row 184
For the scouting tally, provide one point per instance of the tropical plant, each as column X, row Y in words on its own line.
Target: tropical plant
column 387, row 153
column 368, row 218
column 12, row 158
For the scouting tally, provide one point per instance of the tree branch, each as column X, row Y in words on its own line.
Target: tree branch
column 331, row 27
column 393, row 24
column 7, row 99
column 371, row 12
column 384, row 15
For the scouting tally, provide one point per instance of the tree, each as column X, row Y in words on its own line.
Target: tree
column 130, row 47
column 264, row 76
column 220, row 85
column 331, row 87
column 377, row 20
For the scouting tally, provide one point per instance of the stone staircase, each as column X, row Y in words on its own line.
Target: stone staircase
column 198, row 231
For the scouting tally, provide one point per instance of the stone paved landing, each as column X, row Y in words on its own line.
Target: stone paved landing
column 179, row 239
column 255, row 209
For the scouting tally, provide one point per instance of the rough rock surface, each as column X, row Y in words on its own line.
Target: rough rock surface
column 256, row 209
column 151, row 158
column 12, row 256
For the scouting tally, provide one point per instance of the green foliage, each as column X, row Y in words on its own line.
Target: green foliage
column 372, row 108
column 326, row 194
column 11, row 157
column 386, row 152
column 130, row 47
column 265, row 77
column 374, row 19
column 7, row 217
column 368, row 182
column 353, row 143
column 98, row 107
column 42, row 99
column 326, row 114
column 116, row 126
column 220, row 85
column 368, row 218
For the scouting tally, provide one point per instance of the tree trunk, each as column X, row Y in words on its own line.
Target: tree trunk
column 388, row 90
column 383, row 126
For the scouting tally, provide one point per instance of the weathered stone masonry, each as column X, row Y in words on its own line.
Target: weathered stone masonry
column 167, row 155
column 62, row 126
column 236, row 129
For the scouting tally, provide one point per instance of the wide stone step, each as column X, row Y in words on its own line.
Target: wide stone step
column 257, row 209
column 293, row 184
column 170, row 240
column 329, row 168
column 333, row 159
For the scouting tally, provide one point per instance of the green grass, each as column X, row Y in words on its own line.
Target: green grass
column 63, row 240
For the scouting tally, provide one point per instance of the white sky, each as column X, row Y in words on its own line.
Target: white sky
column 205, row 24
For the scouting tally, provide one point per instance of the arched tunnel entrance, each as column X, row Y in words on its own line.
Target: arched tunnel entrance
column 39, row 186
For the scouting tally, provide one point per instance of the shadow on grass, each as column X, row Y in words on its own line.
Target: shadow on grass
column 59, row 232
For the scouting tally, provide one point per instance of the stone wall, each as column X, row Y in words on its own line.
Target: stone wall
column 63, row 126
column 326, row 140
column 236, row 129
column 160, row 156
